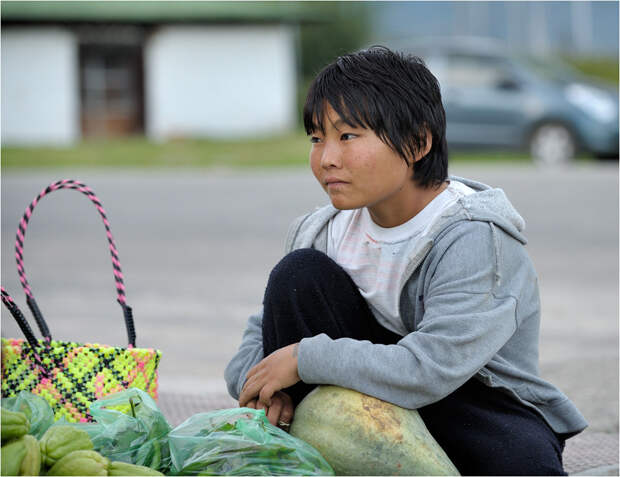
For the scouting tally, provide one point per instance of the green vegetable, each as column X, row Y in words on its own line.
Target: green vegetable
column 58, row 441
column 123, row 468
column 156, row 459
column 14, row 424
column 31, row 463
column 361, row 435
column 149, row 454
column 248, row 446
column 13, row 454
column 37, row 410
column 81, row 462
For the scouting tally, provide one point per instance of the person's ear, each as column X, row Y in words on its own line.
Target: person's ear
column 427, row 147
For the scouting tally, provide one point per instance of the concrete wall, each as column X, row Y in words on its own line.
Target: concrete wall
column 200, row 81
column 40, row 89
column 220, row 81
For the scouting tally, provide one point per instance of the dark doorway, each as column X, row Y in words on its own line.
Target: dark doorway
column 111, row 90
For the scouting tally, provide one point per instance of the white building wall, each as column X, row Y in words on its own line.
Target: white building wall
column 40, row 89
column 220, row 81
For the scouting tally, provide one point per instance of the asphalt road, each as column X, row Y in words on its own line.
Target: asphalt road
column 197, row 247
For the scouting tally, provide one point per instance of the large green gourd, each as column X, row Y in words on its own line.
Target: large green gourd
column 361, row 435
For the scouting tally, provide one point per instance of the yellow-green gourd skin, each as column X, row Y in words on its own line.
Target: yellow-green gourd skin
column 60, row 440
column 81, row 462
column 14, row 425
column 31, row 464
column 12, row 456
column 360, row 435
column 123, row 468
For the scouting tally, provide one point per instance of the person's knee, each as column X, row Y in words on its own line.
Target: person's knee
column 298, row 268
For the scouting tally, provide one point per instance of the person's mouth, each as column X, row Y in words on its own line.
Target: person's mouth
column 334, row 182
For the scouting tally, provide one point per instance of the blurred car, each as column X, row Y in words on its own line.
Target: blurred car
column 496, row 99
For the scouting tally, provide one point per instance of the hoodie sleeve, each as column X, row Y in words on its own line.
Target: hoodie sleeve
column 250, row 351
column 249, row 354
column 467, row 319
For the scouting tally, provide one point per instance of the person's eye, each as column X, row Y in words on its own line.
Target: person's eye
column 347, row 136
column 314, row 139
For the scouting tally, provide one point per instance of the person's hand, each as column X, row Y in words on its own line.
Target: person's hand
column 281, row 411
column 251, row 404
column 275, row 372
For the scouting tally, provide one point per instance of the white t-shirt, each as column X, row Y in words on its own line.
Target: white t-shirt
column 373, row 255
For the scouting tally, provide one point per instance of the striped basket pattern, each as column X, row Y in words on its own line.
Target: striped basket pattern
column 69, row 375
column 75, row 374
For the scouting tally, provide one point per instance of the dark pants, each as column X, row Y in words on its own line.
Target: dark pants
column 483, row 431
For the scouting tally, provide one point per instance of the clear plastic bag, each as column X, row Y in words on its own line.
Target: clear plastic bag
column 240, row 442
column 37, row 410
column 130, row 428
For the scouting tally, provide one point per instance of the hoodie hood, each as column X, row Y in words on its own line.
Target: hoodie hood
column 487, row 204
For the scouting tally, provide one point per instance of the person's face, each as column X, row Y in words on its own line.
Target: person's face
column 356, row 168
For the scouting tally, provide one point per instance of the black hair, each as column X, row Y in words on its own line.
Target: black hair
column 391, row 93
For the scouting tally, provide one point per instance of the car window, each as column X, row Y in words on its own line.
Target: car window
column 474, row 71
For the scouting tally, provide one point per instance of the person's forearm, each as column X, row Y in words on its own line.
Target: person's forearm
column 249, row 354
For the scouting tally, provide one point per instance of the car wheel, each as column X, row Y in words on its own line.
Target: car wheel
column 552, row 144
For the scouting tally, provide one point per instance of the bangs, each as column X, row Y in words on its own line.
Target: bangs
column 346, row 100
column 355, row 104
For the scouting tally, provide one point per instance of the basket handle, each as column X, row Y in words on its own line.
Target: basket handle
column 25, row 327
column 118, row 274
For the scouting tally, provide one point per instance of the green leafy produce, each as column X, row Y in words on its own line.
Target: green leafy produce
column 131, row 428
column 150, row 454
column 60, row 440
column 240, row 442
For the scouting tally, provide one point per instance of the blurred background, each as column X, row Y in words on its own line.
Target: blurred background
column 531, row 79
column 184, row 117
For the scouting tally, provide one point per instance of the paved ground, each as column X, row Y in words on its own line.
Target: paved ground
column 196, row 249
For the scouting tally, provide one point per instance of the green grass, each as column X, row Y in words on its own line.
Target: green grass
column 138, row 152
column 289, row 150
column 605, row 69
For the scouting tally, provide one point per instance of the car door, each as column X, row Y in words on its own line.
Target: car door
column 485, row 100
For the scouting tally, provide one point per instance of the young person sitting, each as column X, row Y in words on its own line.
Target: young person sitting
column 412, row 286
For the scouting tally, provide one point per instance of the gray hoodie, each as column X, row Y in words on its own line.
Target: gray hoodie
column 470, row 301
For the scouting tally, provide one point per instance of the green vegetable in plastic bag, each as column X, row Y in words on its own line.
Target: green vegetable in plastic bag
column 240, row 442
column 37, row 410
column 130, row 428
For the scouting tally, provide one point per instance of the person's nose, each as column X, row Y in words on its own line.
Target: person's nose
column 331, row 156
